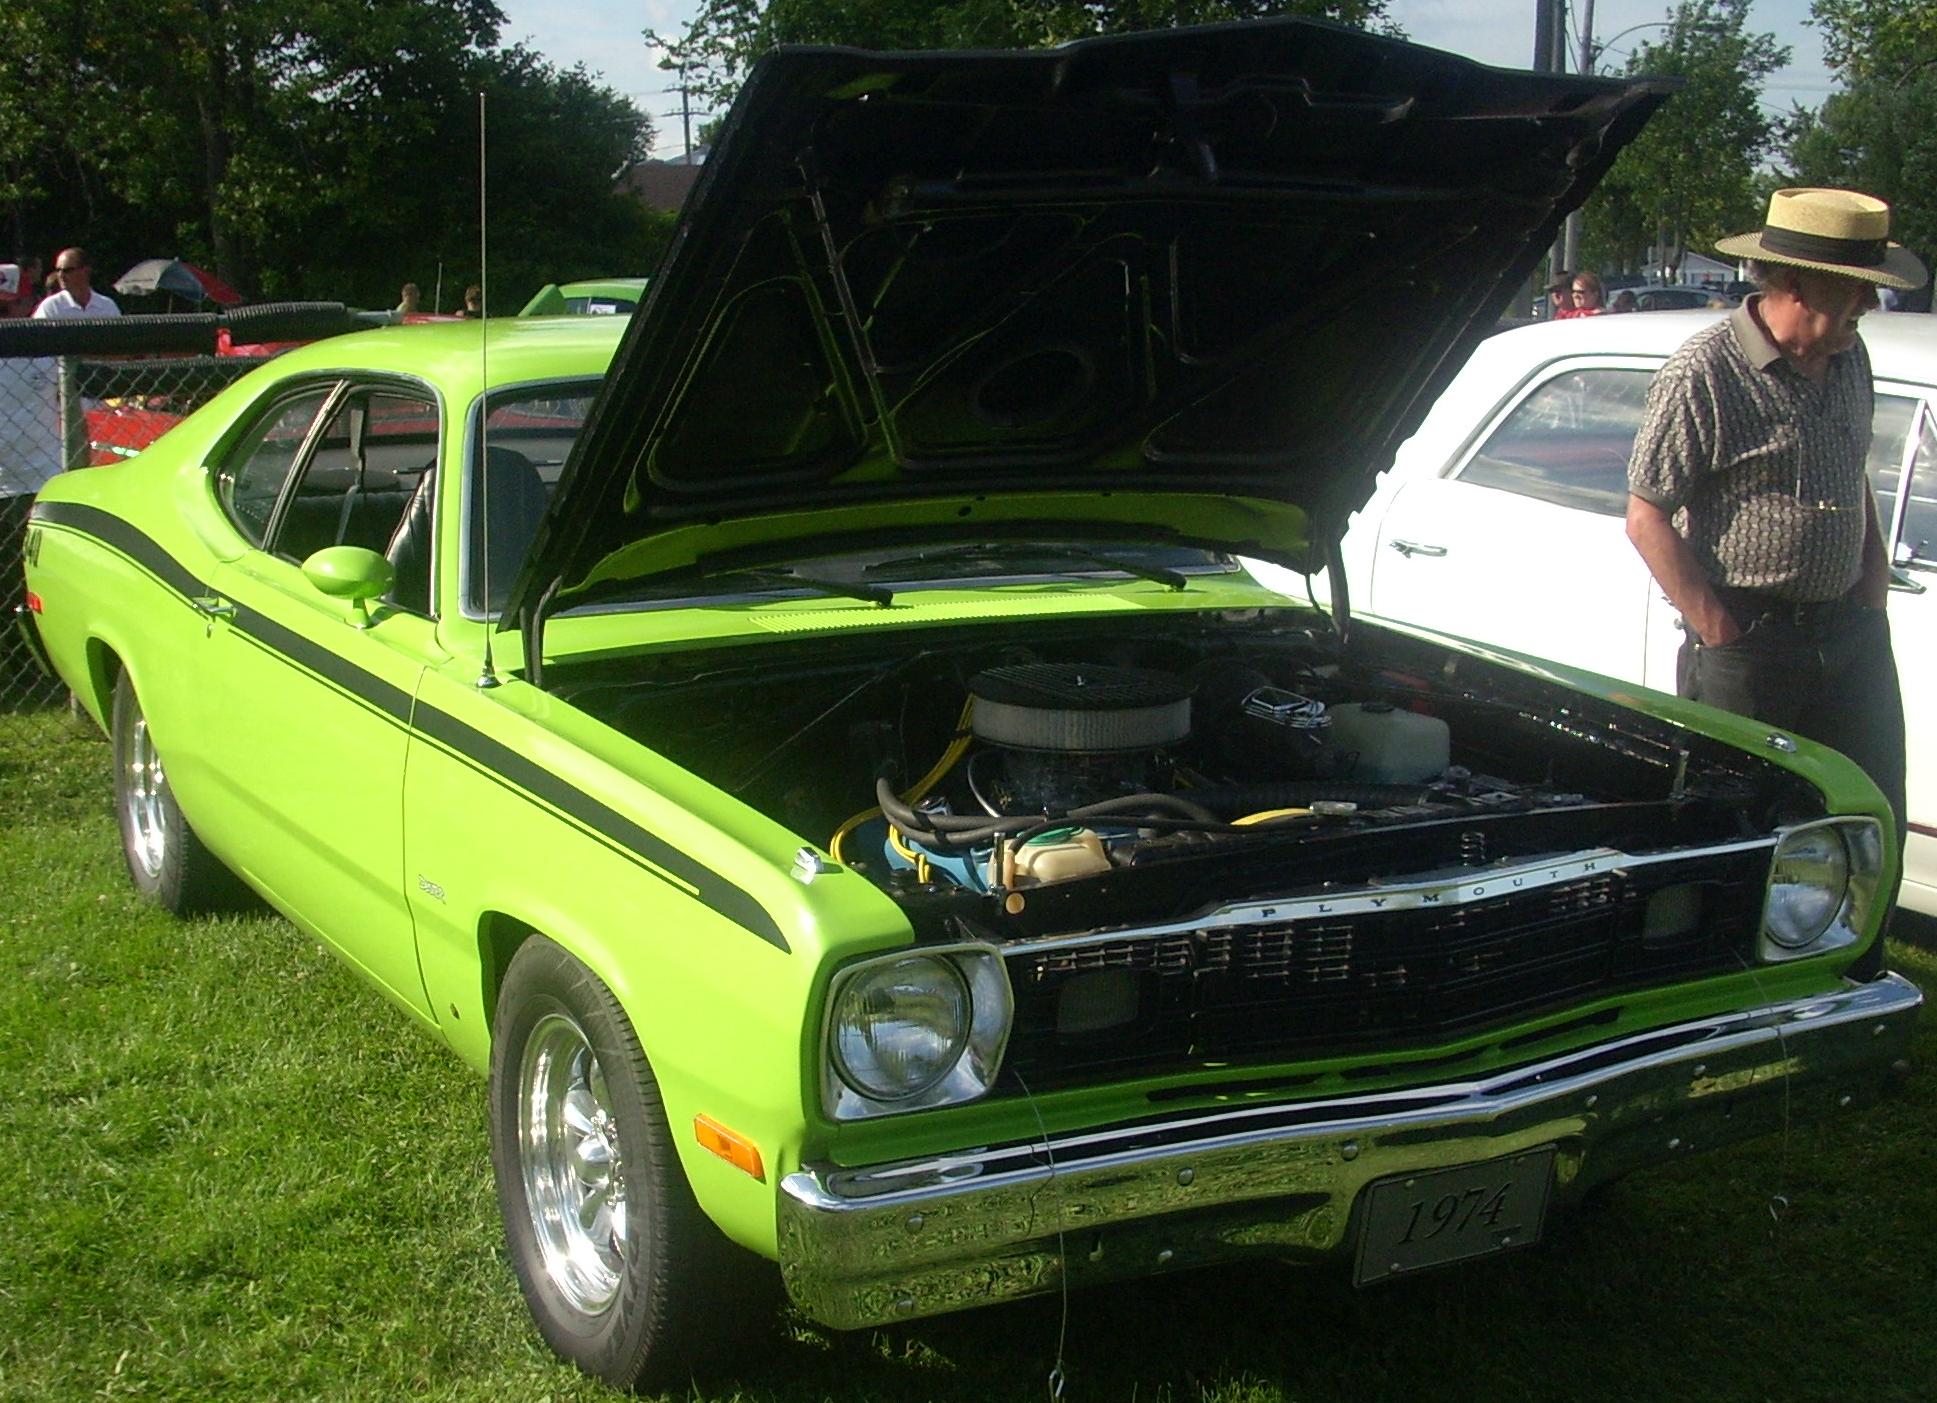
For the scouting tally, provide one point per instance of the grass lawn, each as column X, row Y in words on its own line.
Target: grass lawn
column 233, row 1172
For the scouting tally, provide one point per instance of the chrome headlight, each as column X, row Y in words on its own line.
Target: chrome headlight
column 915, row 1030
column 1822, row 887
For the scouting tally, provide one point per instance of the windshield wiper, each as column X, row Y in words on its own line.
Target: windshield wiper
column 1036, row 551
column 787, row 575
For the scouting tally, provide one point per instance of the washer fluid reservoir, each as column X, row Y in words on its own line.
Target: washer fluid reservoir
column 1379, row 744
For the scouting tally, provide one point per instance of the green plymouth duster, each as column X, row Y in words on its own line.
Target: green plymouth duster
column 811, row 746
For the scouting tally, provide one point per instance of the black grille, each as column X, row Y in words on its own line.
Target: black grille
column 1386, row 979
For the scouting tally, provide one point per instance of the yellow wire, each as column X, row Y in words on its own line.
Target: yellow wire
column 840, row 834
column 1266, row 815
column 950, row 757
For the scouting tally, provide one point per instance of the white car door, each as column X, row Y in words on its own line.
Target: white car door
column 1907, row 421
column 1520, row 540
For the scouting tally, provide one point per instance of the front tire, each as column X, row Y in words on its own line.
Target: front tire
column 166, row 860
column 624, row 1275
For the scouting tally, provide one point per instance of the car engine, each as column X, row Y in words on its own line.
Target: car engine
column 1055, row 759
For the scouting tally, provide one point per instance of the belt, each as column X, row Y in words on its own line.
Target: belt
column 1748, row 604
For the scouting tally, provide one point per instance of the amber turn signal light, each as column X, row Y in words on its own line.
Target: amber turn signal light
column 736, row 1150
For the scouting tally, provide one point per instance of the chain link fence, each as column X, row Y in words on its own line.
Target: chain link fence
column 80, row 394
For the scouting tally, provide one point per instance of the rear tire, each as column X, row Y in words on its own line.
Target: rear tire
column 166, row 860
column 624, row 1275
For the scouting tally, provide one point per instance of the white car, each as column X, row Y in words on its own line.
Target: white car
column 1501, row 520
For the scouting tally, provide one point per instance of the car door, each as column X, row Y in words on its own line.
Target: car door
column 1906, row 488
column 1520, row 540
column 311, row 703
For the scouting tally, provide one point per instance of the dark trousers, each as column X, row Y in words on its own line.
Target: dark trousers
column 1825, row 672
column 1829, row 676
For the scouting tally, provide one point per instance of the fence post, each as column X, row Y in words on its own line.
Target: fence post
column 74, row 452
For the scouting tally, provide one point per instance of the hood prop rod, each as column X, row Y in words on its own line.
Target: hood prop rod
column 1335, row 579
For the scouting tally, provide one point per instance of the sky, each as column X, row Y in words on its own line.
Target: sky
column 605, row 35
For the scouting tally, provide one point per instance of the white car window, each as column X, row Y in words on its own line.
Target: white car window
column 1890, row 428
column 1916, row 538
column 1568, row 442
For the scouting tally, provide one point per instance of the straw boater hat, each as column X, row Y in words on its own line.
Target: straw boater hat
column 1832, row 231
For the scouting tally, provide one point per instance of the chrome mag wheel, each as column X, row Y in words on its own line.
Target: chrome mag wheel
column 568, row 1150
column 143, row 801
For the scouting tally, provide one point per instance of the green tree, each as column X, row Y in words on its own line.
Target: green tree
column 1689, row 178
column 1879, row 134
column 1876, row 38
column 1878, row 137
column 726, row 36
column 312, row 147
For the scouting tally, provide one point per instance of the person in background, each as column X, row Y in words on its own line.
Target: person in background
column 77, row 297
column 1623, row 302
column 1588, row 297
column 30, row 435
column 410, row 300
column 473, row 301
column 26, row 296
column 1749, row 500
column 1560, row 296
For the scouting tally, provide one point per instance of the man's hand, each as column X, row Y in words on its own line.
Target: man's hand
column 1679, row 574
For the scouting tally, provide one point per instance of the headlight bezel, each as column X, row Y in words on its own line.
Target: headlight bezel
column 1861, row 846
column 984, row 977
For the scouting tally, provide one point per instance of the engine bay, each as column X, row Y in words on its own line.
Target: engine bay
column 1149, row 764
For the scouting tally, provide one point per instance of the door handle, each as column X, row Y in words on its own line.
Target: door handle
column 212, row 607
column 1411, row 548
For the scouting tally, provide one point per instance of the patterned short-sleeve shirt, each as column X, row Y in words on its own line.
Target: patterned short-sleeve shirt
column 1762, row 468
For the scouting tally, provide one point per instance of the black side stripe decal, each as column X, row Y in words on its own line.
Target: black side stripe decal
column 531, row 781
column 733, row 902
column 393, row 701
column 141, row 549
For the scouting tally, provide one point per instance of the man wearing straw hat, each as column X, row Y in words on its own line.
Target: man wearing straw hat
column 1748, row 496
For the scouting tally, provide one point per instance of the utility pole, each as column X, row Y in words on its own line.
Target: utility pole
column 1571, row 254
column 1550, row 56
column 686, row 113
column 679, row 58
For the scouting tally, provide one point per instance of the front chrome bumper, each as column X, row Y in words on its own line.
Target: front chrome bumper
column 863, row 1246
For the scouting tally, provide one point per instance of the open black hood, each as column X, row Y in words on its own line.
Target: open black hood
column 1194, row 284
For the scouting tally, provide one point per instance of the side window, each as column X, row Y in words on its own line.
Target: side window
column 1916, row 538
column 1890, row 426
column 360, row 485
column 530, row 432
column 1568, row 442
column 252, row 477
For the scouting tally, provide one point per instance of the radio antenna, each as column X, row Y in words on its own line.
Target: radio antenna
column 488, row 677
